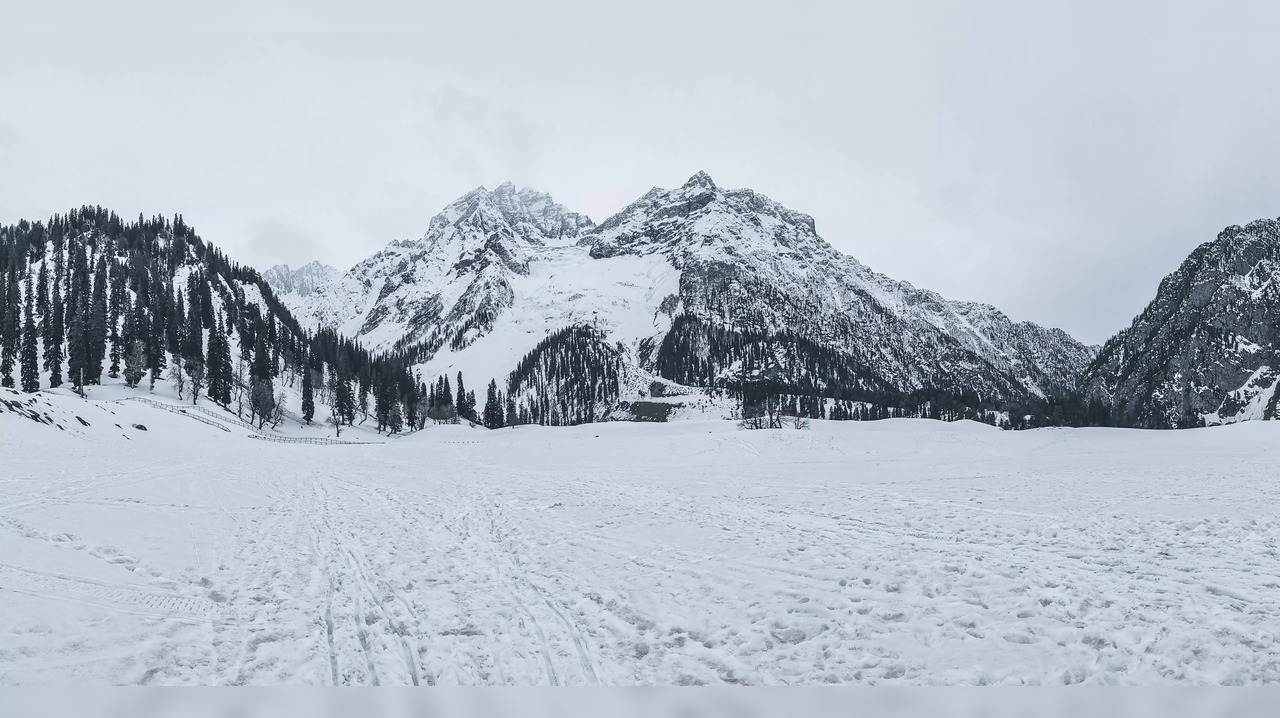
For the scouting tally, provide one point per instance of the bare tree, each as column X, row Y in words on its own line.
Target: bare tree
column 135, row 363
column 277, row 409
column 195, row 371
column 239, row 384
column 334, row 420
column 262, row 401
column 178, row 377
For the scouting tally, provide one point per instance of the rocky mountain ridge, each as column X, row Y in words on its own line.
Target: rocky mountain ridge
column 1207, row 347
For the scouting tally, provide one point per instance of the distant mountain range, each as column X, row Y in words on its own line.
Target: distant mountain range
column 688, row 296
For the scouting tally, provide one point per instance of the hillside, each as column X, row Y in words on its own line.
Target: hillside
column 147, row 305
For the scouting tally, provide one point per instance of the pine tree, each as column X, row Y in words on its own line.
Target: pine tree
column 382, row 406
column 96, row 339
column 219, row 366
column 193, row 328
column 78, row 324
column 395, row 420
column 273, row 343
column 158, row 306
column 193, row 359
column 206, row 304
column 115, row 307
column 412, row 400
column 29, row 357
column 461, row 401
column 343, row 400
column 262, row 398
column 493, row 413
column 54, row 333
column 308, row 399
column 42, row 293
column 10, row 327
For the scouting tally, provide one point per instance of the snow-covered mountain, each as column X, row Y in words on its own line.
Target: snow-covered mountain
column 1207, row 348
column 748, row 262
column 449, row 285
column 662, row 282
column 301, row 281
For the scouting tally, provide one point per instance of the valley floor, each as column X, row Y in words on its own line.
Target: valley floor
column 894, row 551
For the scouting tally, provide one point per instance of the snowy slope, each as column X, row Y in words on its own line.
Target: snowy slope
column 899, row 551
column 498, row 271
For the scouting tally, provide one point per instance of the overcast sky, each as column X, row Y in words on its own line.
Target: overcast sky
column 1053, row 163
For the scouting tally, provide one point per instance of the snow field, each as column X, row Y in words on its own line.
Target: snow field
column 900, row 551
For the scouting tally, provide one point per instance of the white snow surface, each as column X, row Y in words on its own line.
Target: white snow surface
column 899, row 551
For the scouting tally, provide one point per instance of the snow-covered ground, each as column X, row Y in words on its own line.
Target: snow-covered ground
column 896, row 551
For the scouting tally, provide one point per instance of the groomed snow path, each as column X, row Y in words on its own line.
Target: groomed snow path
column 894, row 551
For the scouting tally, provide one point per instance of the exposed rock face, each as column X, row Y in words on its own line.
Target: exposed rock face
column 301, row 281
column 1207, row 348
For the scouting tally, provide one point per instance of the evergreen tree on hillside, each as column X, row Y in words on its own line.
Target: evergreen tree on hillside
column 466, row 402
column 9, row 326
column 29, row 357
column 193, row 325
column 493, row 410
column 218, row 366
column 155, row 341
column 193, row 359
column 273, row 342
column 96, row 340
column 362, row 398
column 262, row 398
column 116, row 305
column 344, row 405
column 54, row 334
column 42, row 293
column 395, row 420
column 308, row 397
column 412, row 400
column 461, row 402
column 78, row 323
column 382, row 407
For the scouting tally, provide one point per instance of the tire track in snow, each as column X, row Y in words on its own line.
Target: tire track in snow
column 590, row 673
column 44, row 584
column 308, row 516
column 386, row 616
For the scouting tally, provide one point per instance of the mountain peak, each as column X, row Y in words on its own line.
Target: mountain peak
column 701, row 179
